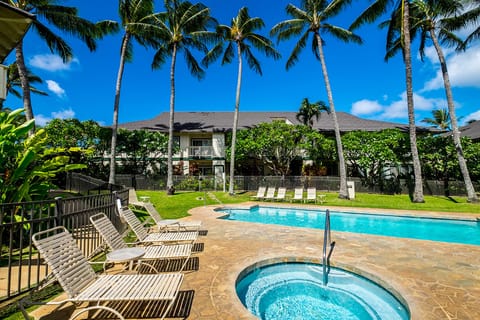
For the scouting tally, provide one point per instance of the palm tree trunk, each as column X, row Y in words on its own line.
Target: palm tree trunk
column 235, row 122
column 116, row 107
column 22, row 72
column 471, row 195
column 343, row 193
column 407, row 58
column 170, row 189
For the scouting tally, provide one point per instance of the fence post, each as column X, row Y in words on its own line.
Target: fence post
column 58, row 211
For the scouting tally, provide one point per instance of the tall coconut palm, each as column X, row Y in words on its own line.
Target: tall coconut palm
column 182, row 27
column 312, row 18
column 431, row 18
column 14, row 82
column 309, row 110
column 240, row 35
column 137, row 22
column 65, row 19
column 373, row 12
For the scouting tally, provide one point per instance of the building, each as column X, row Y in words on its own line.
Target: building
column 471, row 131
column 201, row 135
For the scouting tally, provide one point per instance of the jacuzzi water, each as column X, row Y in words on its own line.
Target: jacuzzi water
column 296, row 291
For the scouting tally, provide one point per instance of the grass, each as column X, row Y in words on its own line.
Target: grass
column 177, row 206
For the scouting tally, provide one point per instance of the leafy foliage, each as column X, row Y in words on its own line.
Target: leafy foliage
column 28, row 168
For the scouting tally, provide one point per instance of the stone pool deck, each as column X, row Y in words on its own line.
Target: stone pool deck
column 436, row 280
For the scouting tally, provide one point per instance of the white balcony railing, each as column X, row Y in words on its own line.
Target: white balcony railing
column 200, row 152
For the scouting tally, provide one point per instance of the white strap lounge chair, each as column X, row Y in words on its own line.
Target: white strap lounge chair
column 260, row 193
column 115, row 243
column 270, row 194
column 171, row 224
column 81, row 284
column 297, row 195
column 133, row 199
column 281, row 194
column 311, row 195
column 164, row 237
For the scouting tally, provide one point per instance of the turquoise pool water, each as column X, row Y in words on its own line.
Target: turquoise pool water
column 295, row 291
column 445, row 230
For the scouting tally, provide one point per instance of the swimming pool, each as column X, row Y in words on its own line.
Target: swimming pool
column 445, row 230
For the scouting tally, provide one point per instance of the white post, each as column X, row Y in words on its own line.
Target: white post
column 3, row 82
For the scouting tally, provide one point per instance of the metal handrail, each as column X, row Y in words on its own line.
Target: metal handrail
column 326, row 240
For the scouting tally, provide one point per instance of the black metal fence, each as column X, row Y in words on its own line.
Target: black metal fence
column 21, row 268
column 251, row 183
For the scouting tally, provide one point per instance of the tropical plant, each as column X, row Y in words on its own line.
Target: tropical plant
column 374, row 11
column 430, row 19
column 28, row 168
column 14, row 81
column 440, row 119
column 309, row 110
column 311, row 18
column 182, row 27
column 239, row 35
column 65, row 19
column 137, row 22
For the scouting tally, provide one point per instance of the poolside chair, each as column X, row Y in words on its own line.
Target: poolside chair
column 260, row 193
column 164, row 237
column 171, row 224
column 297, row 195
column 133, row 199
column 311, row 195
column 81, row 284
column 281, row 194
column 115, row 242
column 270, row 195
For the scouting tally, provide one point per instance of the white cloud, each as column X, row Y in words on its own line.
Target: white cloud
column 51, row 62
column 55, row 88
column 395, row 109
column 42, row 120
column 472, row 116
column 463, row 70
column 365, row 106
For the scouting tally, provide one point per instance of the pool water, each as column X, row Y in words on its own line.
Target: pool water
column 295, row 291
column 446, row 230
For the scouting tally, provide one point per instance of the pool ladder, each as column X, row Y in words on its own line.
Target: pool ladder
column 327, row 241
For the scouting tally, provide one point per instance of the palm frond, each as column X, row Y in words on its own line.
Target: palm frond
column 341, row 33
column 299, row 46
column 54, row 42
column 253, row 63
column 193, row 64
column 371, row 13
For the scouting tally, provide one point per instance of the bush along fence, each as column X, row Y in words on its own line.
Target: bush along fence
column 21, row 267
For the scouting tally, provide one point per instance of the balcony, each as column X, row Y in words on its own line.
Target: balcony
column 200, row 152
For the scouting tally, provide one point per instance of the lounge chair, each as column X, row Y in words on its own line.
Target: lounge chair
column 297, row 195
column 115, row 243
column 260, row 193
column 270, row 195
column 281, row 194
column 171, row 224
column 82, row 284
column 133, row 199
column 311, row 195
column 164, row 237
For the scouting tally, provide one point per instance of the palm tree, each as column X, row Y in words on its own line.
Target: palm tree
column 374, row 11
column 440, row 119
column 62, row 17
column 182, row 27
column 431, row 19
column 312, row 18
column 137, row 21
column 14, row 81
column 238, row 35
column 309, row 110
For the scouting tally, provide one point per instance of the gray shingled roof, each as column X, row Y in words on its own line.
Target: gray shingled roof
column 223, row 121
column 471, row 130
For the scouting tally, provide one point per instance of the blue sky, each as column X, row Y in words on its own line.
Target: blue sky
column 362, row 83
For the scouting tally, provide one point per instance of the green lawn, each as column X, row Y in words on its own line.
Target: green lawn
column 177, row 206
